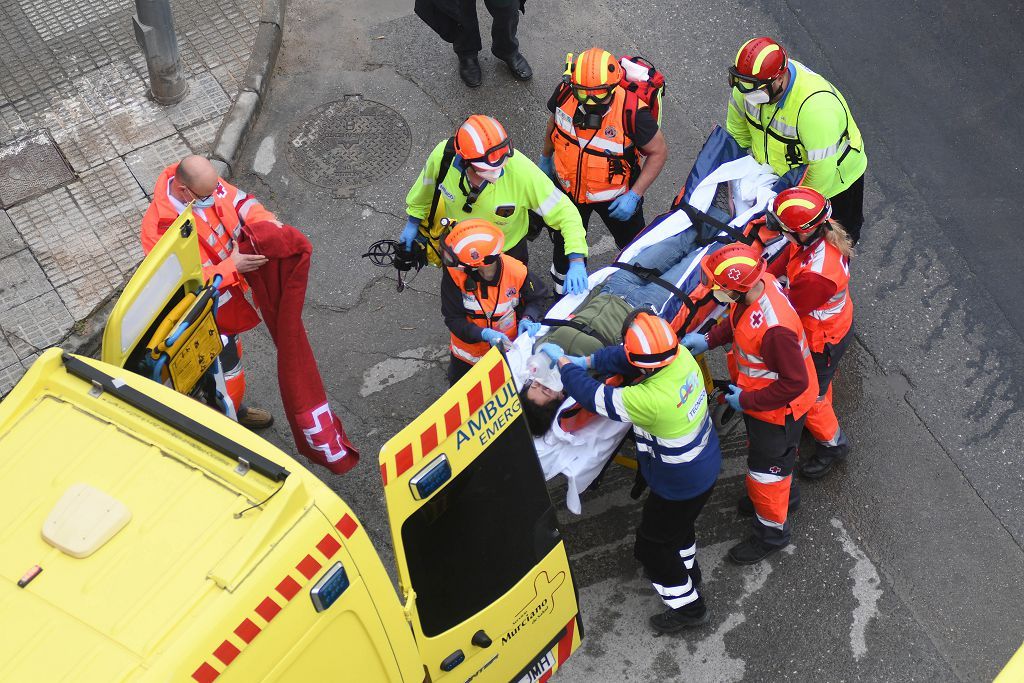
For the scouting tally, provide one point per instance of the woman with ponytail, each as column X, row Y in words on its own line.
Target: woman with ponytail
column 817, row 264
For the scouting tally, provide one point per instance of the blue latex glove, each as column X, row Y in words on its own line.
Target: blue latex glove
column 494, row 338
column 624, row 206
column 733, row 398
column 411, row 232
column 578, row 360
column 552, row 351
column 576, row 278
column 546, row 164
column 528, row 327
column 696, row 343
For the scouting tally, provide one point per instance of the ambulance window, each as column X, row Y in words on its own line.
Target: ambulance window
column 482, row 533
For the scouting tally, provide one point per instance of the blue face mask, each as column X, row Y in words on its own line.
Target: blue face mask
column 204, row 203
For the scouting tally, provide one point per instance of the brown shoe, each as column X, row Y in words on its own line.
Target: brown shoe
column 252, row 417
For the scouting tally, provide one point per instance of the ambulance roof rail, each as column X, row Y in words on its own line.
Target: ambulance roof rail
column 183, row 423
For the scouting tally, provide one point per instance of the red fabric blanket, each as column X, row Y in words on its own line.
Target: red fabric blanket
column 279, row 288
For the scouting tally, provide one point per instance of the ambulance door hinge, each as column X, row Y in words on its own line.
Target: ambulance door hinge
column 410, row 606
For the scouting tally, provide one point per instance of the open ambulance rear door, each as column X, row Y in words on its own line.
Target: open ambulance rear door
column 482, row 566
column 167, row 274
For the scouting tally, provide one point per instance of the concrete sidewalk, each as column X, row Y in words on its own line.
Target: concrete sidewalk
column 81, row 145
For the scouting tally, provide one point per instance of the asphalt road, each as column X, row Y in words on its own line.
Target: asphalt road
column 906, row 563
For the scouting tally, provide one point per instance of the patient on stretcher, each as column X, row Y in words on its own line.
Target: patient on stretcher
column 598, row 321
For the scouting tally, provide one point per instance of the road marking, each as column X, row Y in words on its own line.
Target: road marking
column 395, row 370
column 865, row 588
column 620, row 641
column 265, row 158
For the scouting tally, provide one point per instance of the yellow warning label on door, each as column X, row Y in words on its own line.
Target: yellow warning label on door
column 194, row 355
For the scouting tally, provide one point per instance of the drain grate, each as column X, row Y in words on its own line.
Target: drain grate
column 31, row 166
column 349, row 143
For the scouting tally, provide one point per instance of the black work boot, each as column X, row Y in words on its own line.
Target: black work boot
column 745, row 506
column 824, row 457
column 519, row 67
column 674, row 620
column 469, row 70
column 752, row 551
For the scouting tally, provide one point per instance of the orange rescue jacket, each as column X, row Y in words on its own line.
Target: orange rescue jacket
column 770, row 310
column 829, row 323
column 594, row 166
column 218, row 228
column 496, row 310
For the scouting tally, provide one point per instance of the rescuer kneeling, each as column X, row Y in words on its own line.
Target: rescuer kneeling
column 487, row 298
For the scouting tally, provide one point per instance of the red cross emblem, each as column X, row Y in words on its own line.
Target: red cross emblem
column 733, row 274
column 756, row 318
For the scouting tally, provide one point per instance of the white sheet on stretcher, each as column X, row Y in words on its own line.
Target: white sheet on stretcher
column 580, row 456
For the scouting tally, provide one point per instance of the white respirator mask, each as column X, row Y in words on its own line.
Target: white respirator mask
column 756, row 98
column 488, row 173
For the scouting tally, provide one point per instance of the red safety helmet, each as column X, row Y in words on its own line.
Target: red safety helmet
column 650, row 342
column 594, row 75
column 482, row 140
column 799, row 210
column 758, row 62
column 472, row 243
column 736, row 267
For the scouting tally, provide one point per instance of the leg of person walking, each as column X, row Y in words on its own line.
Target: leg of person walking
column 504, row 43
column 848, row 208
column 467, row 45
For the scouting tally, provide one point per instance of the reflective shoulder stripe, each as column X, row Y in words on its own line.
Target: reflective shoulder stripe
column 733, row 105
column 753, row 111
column 818, row 257
column 551, row 201
column 769, row 311
column 244, row 207
column 608, row 401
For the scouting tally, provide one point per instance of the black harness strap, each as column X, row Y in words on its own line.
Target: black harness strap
column 579, row 326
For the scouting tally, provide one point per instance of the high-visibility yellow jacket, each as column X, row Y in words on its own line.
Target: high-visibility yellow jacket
column 811, row 125
column 505, row 203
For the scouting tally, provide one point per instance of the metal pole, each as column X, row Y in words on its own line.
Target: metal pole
column 154, row 31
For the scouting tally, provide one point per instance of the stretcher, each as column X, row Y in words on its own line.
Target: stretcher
column 720, row 202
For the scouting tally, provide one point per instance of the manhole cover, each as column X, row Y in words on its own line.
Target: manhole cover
column 31, row 166
column 349, row 143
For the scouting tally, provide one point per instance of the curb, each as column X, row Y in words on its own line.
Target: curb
column 242, row 114
column 86, row 337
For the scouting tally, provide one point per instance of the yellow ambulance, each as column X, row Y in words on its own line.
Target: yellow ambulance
column 146, row 537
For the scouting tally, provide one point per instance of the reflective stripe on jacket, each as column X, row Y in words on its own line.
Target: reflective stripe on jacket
column 813, row 126
column 593, row 165
column 491, row 307
column 771, row 309
column 676, row 444
column 830, row 322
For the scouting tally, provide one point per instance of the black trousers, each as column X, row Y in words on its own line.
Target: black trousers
column 666, row 547
column 457, row 23
column 848, row 208
column 520, row 251
column 457, row 369
column 827, row 362
column 771, row 456
column 622, row 231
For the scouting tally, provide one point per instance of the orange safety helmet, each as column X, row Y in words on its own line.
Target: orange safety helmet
column 758, row 62
column 736, row 267
column 594, row 75
column 649, row 341
column 472, row 243
column 798, row 210
column 482, row 140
